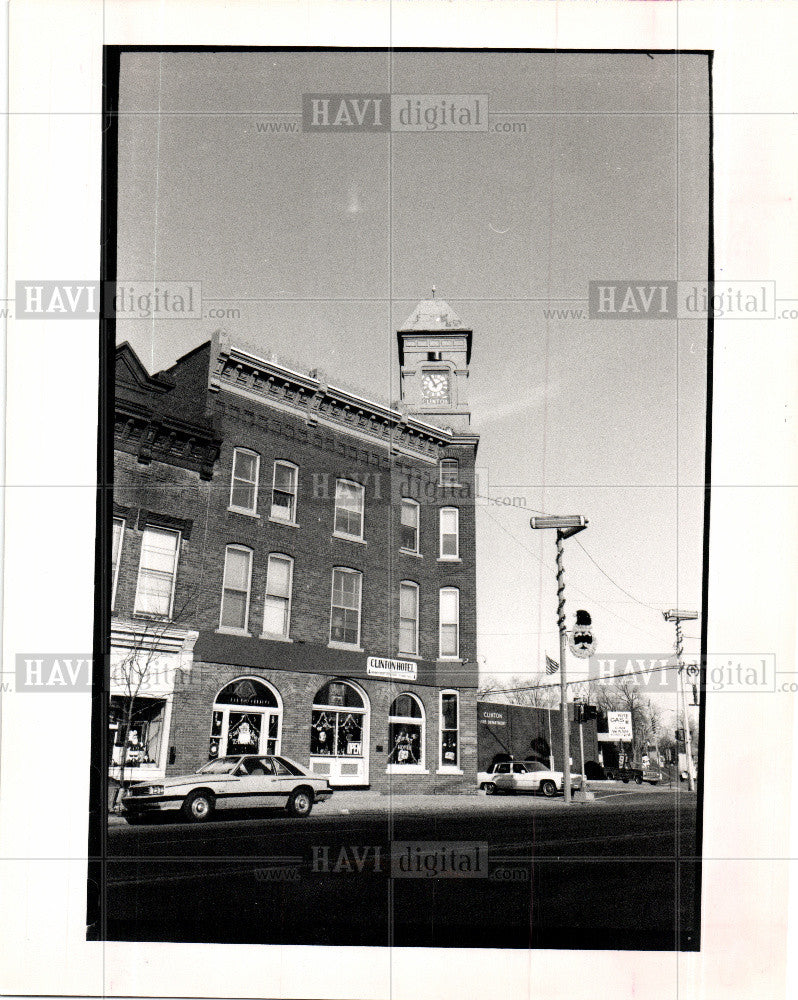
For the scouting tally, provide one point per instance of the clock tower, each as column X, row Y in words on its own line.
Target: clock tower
column 434, row 354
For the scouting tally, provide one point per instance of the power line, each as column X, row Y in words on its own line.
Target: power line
column 537, row 687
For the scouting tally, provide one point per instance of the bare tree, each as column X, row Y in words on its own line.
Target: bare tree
column 532, row 691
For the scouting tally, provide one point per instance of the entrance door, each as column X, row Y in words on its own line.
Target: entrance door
column 246, row 720
column 339, row 736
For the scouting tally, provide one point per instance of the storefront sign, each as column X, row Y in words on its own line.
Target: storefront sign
column 405, row 670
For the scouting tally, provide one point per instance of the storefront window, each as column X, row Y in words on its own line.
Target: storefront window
column 143, row 718
column 246, row 718
column 336, row 723
column 406, row 732
column 450, row 729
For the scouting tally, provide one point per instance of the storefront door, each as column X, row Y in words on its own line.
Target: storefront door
column 246, row 720
column 339, row 737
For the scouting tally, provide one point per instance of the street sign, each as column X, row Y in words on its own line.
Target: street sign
column 619, row 725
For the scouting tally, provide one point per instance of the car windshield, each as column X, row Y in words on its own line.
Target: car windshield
column 222, row 766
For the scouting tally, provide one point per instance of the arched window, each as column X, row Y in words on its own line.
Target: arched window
column 406, row 733
column 247, row 718
column 337, row 721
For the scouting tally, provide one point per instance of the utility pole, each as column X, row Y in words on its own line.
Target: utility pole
column 677, row 617
column 565, row 526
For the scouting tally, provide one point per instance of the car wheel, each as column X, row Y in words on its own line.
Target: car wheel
column 300, row 803
column 490, row 788
column 198, row 807
column 548, row 788
column 608, row 776
column 638, row 779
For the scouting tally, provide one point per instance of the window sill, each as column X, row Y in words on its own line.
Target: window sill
column 286, row 524
column 406, row 769
column 450, row 659
column 144, row 616
column 275, row 637
column 345, row 645
column 349, row 538
column 449, row 559
column 410, row 552
column 233, row 631
column 244, row 513
column 448, row 770
column 408, row 656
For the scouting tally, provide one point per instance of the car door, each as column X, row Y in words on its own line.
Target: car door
column 252, row 781
column 502, row 776
column 524, row 778
column 285, row 781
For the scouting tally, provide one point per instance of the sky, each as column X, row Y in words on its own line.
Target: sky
column 324, row 243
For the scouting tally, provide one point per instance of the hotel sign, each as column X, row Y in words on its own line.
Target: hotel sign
column 406, row 670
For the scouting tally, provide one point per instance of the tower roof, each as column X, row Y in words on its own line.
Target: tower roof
column 432, row 316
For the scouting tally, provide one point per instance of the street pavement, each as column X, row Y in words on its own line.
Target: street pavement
column 618, row 872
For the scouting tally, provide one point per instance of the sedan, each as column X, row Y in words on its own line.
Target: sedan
column 242, row 782
column 524, row 776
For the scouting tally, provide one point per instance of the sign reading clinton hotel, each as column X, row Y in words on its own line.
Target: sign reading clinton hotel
column 405, row 670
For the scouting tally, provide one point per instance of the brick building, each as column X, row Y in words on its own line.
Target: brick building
column 525, row 732
column 300, row 562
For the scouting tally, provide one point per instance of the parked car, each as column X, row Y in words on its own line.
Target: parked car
column 514, row 776
column 634, row 772
column 241, row 782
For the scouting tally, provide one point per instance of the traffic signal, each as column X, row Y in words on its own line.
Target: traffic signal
column 591, row 712
column 680, row 736
column 579, row 709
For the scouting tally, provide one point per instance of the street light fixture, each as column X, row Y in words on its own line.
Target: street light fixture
column 565, row 526
column 677, row 616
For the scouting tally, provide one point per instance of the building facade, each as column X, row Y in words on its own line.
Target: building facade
column 314, row 555
column 525, row 732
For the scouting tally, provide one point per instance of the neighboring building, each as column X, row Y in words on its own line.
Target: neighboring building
column 524, row 732
column 165, row 451
column 327, row 568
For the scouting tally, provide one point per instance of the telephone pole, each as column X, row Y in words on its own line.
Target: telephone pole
column 566, row 526
column 677, row 617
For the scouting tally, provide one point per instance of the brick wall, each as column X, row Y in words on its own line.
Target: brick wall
column 196, row 690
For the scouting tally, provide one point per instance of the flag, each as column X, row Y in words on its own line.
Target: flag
column 551, row 666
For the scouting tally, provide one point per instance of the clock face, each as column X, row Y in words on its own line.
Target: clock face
column 435, row 385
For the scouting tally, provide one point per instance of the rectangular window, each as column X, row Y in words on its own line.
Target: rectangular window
column 348, row 509
column 408, row 538
column 284, row 492
column 449, row 623
column 345, row 614
column 449, row 470
column 450, row 540
column 244, row 483
column 116, row 554
column 277, row 606
column 157, row 570
column 235, row 588
column 408, row 618
column 450, row 729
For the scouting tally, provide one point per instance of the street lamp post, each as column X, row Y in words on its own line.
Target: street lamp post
column 565, row 526
column 677, row 617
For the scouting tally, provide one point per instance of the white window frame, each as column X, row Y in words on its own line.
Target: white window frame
column 441, row 655
column 272, row 517
column 287, row 633
column 421, row 766
column 234, row 629
column 441, row 464
column 448, row 557
column 444, row 768
column 361, row 491
column 414, row 586
column 416, row 506
column 337, row 643
column 253, row 510
column 115, row 568
column 170, row 531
